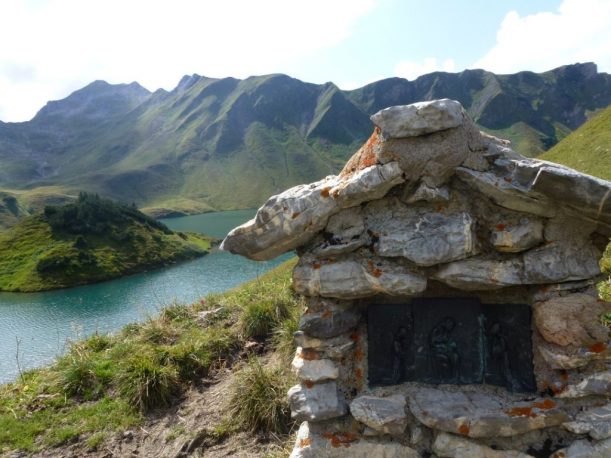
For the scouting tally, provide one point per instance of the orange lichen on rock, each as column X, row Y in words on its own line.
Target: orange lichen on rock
column 306, row 442
column 464, row 429
column 598, row 347
column 308, row 384
column 358, row 354
column 326, row 314
column 545, row 405
column 316, row 265
column 521, row 412
column 325, row 192
column 364, row 157
column 354, row 336
column 341, row 438
column 358, row 374
column 295, row 215
column 500, row 227
column 308, row 355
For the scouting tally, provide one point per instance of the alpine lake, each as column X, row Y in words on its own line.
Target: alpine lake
column 35, row 328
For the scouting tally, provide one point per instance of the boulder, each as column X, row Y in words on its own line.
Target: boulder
column 451, row 446
column 480, row 414
column 385, row 415
column 344, row 444
column 308, row 368
column 572, row 320
column 355, row 275
column 419, row 118
column 292, row 218
column 316, row 402
column 595, row 421
column 558, row 262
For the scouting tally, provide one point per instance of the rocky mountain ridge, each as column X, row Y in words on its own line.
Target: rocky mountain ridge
column 228, row 143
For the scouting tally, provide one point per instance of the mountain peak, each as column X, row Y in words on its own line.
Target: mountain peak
column 97, row 100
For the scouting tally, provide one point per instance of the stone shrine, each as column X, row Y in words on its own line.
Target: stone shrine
column 452, row 303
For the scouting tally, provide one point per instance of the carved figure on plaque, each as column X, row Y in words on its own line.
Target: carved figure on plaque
column 499, row 360
column 400, row 344
column 444, row 357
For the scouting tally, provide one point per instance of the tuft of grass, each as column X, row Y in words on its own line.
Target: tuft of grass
column 146, row 383
column 258, row 401
column 95, row 440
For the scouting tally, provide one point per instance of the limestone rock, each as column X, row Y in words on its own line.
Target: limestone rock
column 503, row 191
column 595, row 421
column 451, row 446
column 595, row 384
column 385, row 415
column 344, row 232
column 418, row 118
column 316, row 402
column 354, row 276
column 307, row 368
column 559, row 358
column 551, row 263
column 423, row 237
column 587, row 194
column 344, row 444
column 559, row 262
column 433, row 158
column 519, row 237
column 572, row 320
column 335, row 347
column 585, row 449
column 425, row 193
column 481, row 274
column 479, row 414
column 292, row 218
column 326, row 318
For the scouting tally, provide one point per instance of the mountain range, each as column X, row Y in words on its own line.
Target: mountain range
column 227, row 143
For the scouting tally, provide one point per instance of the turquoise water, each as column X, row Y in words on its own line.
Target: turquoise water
column 41, row 324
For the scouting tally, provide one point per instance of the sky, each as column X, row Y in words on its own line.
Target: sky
column 50, row 48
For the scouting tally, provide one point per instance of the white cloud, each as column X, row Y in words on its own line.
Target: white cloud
column 579, row 31
column 412, row 69
column 53, row 47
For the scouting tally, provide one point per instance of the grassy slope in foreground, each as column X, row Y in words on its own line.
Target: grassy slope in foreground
column 111, row 383
column 588, row 149
column 88, row 241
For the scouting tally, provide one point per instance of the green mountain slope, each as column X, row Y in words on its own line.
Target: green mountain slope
column 87, row 241
column 588, row 149
column 228, row 143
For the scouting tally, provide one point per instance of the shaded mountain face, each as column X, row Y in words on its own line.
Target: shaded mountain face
column 228, row 143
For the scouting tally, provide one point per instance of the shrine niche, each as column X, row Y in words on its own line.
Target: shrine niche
column 451, row 341
column 451, row 297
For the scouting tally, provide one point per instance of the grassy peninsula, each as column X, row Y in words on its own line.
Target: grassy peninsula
column 90, row 240
column 214, row 373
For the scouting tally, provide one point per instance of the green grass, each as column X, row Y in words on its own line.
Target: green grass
column 109, row 383
column 588, row 149
column 37, row 254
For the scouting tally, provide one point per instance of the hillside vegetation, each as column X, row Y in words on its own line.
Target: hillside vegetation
column 225, row 143
column 588, row 149
column 110, row 383
column 90, row 240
